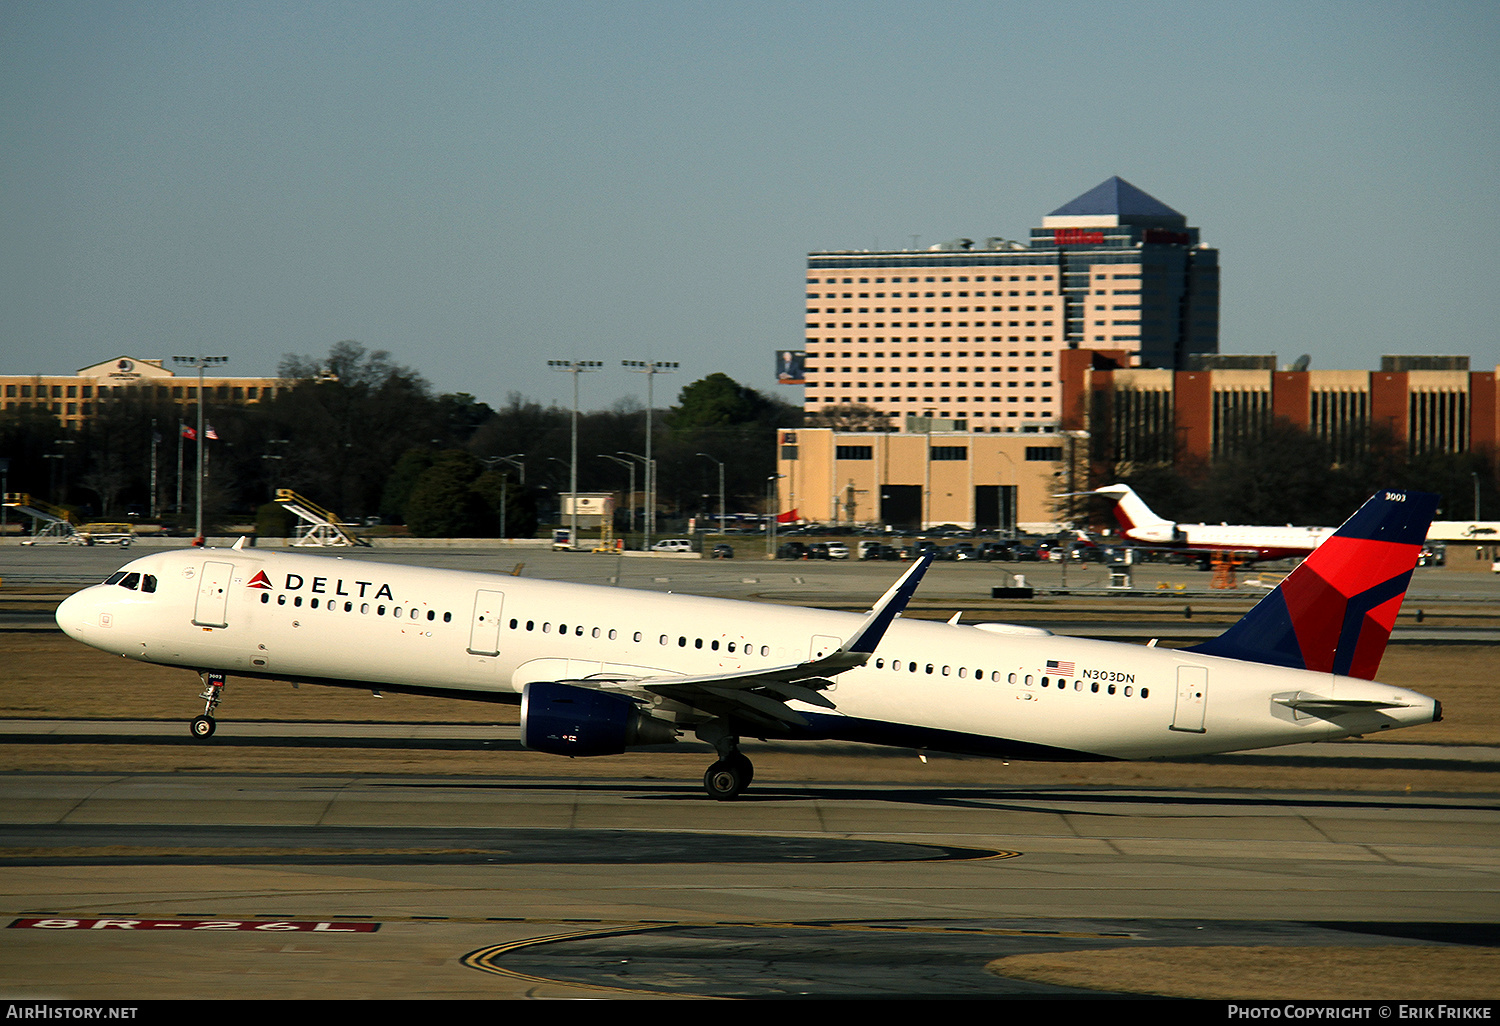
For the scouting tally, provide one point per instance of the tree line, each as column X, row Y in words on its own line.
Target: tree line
column 1291, row 476
column 368, row 438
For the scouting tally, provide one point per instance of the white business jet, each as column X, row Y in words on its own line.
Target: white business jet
column 597, row 670
column 1254, row 542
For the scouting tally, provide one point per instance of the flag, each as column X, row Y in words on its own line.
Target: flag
column 1062, row 666
column 210, row 433
column 191, row 434
column 788, row 518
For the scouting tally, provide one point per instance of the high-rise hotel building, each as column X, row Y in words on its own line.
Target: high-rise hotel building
column 973, row 334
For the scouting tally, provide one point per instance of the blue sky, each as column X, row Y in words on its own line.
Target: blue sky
column 479, row 188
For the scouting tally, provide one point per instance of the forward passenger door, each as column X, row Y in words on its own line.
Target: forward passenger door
column 484, row 626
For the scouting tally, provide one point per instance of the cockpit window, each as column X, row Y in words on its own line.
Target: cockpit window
column 133, row 581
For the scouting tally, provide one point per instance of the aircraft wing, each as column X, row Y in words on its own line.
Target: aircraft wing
column 761, row 694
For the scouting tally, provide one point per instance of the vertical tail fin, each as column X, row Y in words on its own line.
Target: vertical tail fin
column 1334, row 613
column 1131, row 510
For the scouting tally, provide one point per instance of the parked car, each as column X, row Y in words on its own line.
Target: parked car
column 838, row 550
column 818, row 550
column 792, row 550
column 673, row 545
column 723, row 551
column 991, row 552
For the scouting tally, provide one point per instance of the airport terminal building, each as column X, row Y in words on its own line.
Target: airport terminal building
column 976, row 333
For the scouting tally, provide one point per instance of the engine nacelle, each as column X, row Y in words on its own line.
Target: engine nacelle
column 565, row 719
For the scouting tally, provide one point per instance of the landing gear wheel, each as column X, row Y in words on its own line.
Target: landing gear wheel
column 203, row 727
column 745, row 768
column 727, row 778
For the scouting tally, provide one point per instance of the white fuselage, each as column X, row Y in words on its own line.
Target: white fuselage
column 935, row 685
column 1265, row 542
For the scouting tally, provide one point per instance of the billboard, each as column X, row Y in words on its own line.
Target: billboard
column 789, row 364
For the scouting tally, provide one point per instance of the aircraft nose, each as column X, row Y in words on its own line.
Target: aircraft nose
column 78, row 615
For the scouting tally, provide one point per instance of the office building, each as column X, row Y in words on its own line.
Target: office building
column 1221, row 406
column 974, row 334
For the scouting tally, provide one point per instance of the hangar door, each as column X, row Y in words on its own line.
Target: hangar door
column 901, row 506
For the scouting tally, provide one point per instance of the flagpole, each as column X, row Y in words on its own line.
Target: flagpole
column 200, row 362
column 155, row 438
column 181, row 427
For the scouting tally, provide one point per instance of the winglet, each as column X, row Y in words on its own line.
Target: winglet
column 1335, row 612
column 887, row 609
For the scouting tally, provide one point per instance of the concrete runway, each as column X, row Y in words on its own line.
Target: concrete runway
column 128, row 886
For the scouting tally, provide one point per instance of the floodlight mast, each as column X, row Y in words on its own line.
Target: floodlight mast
column 650, row 368
column 575, row 368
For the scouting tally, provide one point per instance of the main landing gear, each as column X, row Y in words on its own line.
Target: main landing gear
column 203, row 726
column 728, row 777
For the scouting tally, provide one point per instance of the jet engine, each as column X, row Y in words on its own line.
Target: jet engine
column 564, row 719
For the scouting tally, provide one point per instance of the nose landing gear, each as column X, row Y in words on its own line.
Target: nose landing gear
column 203, row 726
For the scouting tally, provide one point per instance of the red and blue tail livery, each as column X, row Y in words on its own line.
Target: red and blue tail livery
column 1334, row 613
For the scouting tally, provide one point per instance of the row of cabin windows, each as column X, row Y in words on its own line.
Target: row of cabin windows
column 1061, row 684
column 148, row 584
column 611, row 634
column 364, row 607
column 1029, row 680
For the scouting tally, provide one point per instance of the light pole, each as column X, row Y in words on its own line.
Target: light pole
column 1074, row 437
column 771, row 507
column 646, row 484
column 1007, row 508
column 650, row 368
column 514, row 460
column 575, row 368
column 927, row 474
column 52, row 477
column 200, row 362
column 630, row 495
column 721, row 487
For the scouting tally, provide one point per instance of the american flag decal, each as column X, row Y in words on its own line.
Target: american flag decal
column 1064, row 667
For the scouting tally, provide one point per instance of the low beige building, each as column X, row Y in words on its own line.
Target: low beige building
column 920, row 479
column 75, row 398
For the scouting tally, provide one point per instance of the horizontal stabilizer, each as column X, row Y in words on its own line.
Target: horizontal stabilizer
column 1333, row 706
